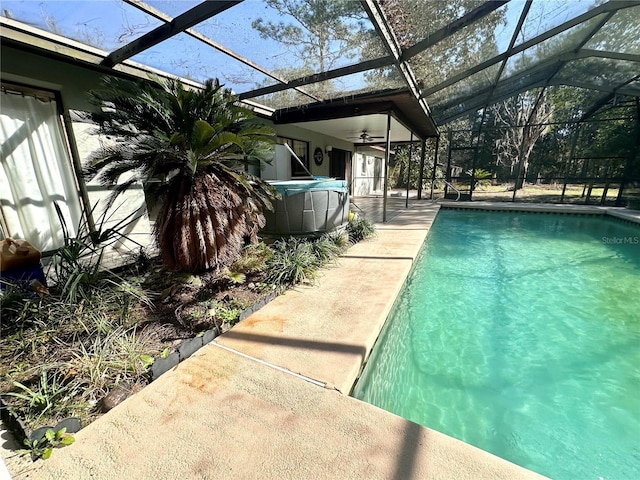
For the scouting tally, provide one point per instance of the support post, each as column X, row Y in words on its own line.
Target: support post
column 632, row 158
column 574, row 141
column 421, row 173
column 525, row 130
column 406, row 202
column 387, row 153
column 447, row 175
column 435, row 166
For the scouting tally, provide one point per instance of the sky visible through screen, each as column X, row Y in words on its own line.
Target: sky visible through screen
column 110, row 24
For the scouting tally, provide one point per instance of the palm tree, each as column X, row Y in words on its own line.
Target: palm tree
column 191, row 149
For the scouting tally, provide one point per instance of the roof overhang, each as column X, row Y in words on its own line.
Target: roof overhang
column 400, row 104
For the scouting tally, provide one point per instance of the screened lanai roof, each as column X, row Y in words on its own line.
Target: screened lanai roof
column 453, row 57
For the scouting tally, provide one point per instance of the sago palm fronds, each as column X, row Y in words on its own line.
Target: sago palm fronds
column 190, row 149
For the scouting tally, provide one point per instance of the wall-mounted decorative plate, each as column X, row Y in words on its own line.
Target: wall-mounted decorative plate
column 318, row 156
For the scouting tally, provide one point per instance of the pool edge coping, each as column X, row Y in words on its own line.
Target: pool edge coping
column 621, row 213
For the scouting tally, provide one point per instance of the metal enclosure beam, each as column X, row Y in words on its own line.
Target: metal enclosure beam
column 596, row 87
column 475, row 103
column 602, row 101
column 512, row 42
column 406, row 201
column 191, row 17
column 553, row 65
column 607, row 7
column 633, row 156
column 387, row 154
column 386, row 34
column 435, row 165
column 549, row 67
column 627, row 57
column 494, row 84
column 448, row 30
column 423, row 148
column 140, row 5
column 319, row 77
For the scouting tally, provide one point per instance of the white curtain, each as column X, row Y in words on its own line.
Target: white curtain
column 35, row 172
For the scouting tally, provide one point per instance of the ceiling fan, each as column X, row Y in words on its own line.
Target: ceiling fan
column 365, row 137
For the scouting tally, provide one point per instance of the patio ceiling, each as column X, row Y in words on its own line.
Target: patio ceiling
column 348, row 118
column 441, row 59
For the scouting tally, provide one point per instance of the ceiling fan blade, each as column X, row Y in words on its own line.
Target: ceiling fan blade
column 364, row 137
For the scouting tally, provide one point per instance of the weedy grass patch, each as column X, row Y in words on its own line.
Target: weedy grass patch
column 98, row 332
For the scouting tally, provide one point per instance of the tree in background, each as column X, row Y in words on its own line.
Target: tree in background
column 526, row 115
column 319, row 34
column 413, row 21
column 552, row 155
column 189, row 149
column 406, row 164
column 325, row 30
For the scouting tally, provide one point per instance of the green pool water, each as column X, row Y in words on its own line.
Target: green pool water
column 519, row 333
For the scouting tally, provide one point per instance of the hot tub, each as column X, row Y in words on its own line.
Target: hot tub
column 308, row 207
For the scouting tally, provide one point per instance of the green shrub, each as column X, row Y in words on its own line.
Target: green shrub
column 12, row 301
column 43, row 448
column 325, row 249
column 77, row 265
column 360, row 229
column 49, row 398
column 340, row 239
column 228, row 313
column 64, row 355
column 254, row 259
column 293, row 262
column 104, row 360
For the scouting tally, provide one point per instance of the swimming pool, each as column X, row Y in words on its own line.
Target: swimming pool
column 519, row 333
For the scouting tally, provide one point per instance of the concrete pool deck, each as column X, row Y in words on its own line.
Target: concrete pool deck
column 269, row 399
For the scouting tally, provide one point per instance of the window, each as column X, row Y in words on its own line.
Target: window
column 301, row 149
column 35, row 169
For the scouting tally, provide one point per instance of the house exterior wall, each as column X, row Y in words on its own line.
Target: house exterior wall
column 130, row 207
column 72, row 83
column 368, row 174
column 316, row 140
